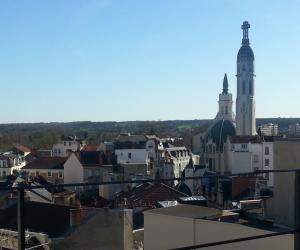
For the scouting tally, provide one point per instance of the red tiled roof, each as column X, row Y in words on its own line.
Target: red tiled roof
column 23, row 148
column 91, row 148
column 148, row 194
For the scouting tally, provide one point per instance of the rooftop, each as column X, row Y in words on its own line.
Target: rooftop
column 91, row 148
column 47, row 163
column 188, row 211
column 251, row 139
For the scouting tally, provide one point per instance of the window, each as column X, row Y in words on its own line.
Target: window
column 4, row 164
column 65, row 144
column 69, row 143
column 226, row 110
column 49, row 174
column 244, row 88
column 244, row 146
column 129, row 155
column 267, row 162
column 267, row 176
column 3, row 173
column 60, row 174
column 37, row 173
column 267, row 151
column 255, row 159
column 250, row 87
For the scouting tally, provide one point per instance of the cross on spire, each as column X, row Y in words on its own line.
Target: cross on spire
column 245, row 28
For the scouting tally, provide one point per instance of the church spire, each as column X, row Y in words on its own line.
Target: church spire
column 225, row 85
column 245, row 28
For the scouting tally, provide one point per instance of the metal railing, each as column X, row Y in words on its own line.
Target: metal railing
column 21, row 187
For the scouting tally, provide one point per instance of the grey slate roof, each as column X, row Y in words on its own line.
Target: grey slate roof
column 47, row 163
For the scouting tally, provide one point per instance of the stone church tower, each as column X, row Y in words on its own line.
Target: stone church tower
column 225, row 103
column 245, row 103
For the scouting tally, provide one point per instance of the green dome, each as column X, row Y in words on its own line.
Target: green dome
column 219, row 132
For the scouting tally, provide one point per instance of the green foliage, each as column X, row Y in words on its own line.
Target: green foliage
column 44, row 135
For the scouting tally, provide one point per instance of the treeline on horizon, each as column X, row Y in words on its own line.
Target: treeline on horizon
column 44, row 135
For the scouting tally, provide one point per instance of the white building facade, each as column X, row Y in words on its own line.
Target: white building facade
column 249, row 154
column 66, row 146
column 269, row 129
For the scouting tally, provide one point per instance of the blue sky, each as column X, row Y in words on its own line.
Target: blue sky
column 69, row 60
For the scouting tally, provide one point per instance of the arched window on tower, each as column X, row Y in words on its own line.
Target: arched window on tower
column 226, row 110
column 250, row 88
column 250, row 67
column 244, row 88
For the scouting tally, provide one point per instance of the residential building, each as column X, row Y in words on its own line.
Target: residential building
column 58, row 196
column 248, row 154
column 269, row 129
column 21, row 150
column 187, row 225
column 173, row 161
column 102, row 229
column 95, row 163
column 147, row 195
column 294, row 129
column 138, row 150
column 11, row 162
column 281, row 207
column 67, row 145
column 56, row 169
column 44, row 153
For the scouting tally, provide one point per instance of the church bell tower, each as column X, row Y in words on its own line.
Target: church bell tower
column 225, row 103
column 245, row 103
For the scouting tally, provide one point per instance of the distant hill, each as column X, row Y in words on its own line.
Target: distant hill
column 43, row 135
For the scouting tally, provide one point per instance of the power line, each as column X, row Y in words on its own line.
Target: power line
column 218, row 243
column 27, row 186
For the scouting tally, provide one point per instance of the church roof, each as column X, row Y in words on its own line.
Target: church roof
column 225, row 84
column 220, row 131
column 245, row 52
column 183, row 188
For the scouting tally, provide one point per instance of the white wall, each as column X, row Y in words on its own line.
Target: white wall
column 61, row 149
column 197, row 145
column 240, row 162
column 270, row 157
column 73, row 170
column 168, row 232
column 137, row 156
